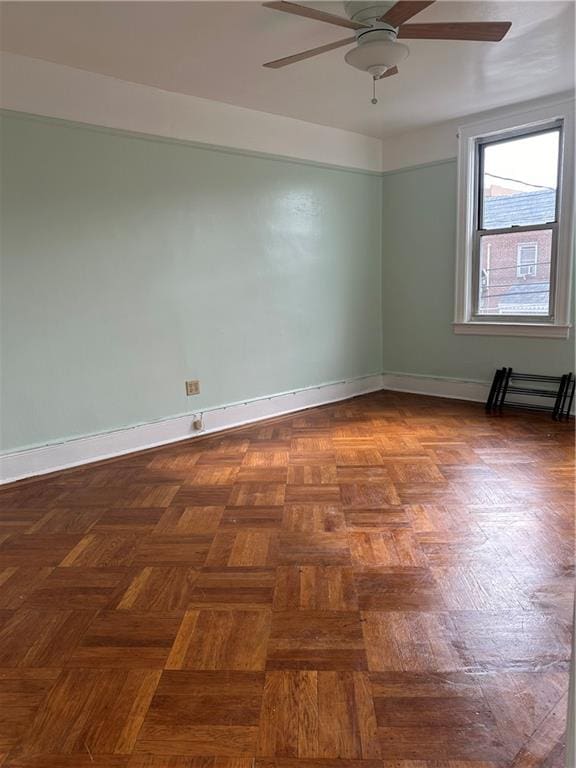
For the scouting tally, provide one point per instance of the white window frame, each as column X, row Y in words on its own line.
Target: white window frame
column 532, row 266
column 558, row 325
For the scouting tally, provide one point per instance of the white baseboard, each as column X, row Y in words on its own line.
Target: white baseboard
column 83, row 450
column 439, row 386
column 436, row 386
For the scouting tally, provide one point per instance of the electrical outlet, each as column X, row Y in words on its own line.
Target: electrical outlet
column 197, row 423
column 193, row 387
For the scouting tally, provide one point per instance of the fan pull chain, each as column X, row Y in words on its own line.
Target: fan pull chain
column 374, row 100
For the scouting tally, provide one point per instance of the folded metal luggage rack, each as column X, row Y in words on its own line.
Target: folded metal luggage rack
column 560, row 389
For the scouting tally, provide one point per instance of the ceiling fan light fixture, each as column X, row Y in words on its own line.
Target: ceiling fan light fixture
column 377, row 57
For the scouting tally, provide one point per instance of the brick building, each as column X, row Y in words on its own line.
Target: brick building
column 515, row 267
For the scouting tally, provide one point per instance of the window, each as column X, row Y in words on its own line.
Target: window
column 515, row 224
column 517, row 195
column 526, row 260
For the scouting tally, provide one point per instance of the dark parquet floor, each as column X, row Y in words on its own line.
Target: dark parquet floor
column 384, row 582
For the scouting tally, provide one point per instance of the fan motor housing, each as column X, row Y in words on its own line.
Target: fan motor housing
column 366, row 12
column 379, row 31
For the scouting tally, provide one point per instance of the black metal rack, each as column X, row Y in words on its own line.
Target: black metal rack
column 562, row 393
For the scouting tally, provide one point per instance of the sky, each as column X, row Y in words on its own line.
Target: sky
column 530, row 159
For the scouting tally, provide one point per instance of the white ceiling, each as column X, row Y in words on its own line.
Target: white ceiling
column 216, row 49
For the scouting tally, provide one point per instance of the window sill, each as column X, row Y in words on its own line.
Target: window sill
column 535, row 330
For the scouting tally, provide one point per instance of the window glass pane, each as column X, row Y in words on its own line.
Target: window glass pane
column 519, row 181
column 515, row 273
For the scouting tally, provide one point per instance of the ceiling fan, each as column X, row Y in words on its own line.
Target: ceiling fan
column 377, row 27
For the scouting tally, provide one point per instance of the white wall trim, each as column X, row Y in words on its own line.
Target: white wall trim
column 436, row 386
column 43, row 88
column 84, row 450
column 532, row 330
column 474, row 390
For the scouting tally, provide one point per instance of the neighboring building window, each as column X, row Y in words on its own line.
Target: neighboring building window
column 526, row 260
column 515, row 224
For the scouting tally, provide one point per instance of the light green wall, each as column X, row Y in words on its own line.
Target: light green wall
column 419, row 235
column 130, row 264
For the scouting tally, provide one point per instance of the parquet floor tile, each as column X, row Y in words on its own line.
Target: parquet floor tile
column 313, row 518
column 16, row 583
column 21, row 693
column 265, row 458
column 101, row 549
column 36, row 550
column 79, row 588
column 250, row 474
column 126, row 640
column 313, row 493
column 314, row 474
column 316, row 640
column 396, row 548
column 322, row 714
column 184, row 521
column 409, row 641
column 35, row 637
column 66, row 521
column 257, row 494
column 385, row 582
column 234, row 587
column 222, row 639
column 203, row 495
column 17, row 520
column 118, row 521
column 244, row 547
column 511, row 639
column 376, row 520
column 94, row 711
column 255, row 518
column 369, row 495
column 203, row 713
column 173, row 550
column 159, row 589
column 212, row 476
column 406, row 589
column 319, row 588
column 312, row 548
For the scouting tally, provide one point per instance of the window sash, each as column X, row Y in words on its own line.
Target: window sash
column 476, row 276
column 518, row 133
column 480, row 144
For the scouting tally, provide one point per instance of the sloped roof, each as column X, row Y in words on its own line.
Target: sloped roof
column 524, row 208
column 526, row 293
